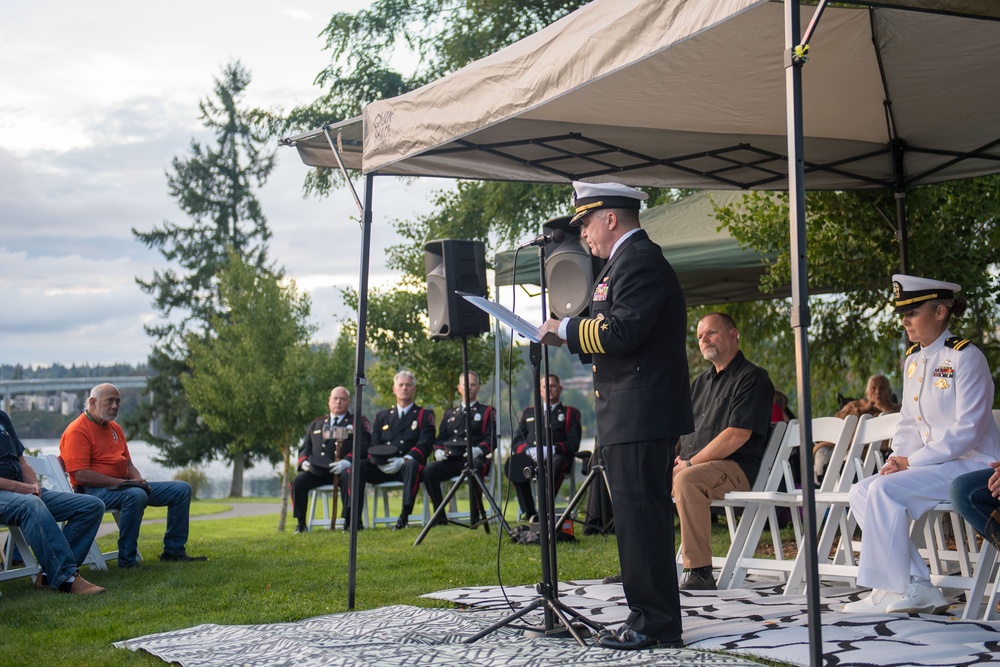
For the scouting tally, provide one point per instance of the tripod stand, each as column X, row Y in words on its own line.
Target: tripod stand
column 477, row 491
column 596, row 471
column 548, row 588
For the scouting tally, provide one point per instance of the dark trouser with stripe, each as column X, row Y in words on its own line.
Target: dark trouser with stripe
column 640, row 477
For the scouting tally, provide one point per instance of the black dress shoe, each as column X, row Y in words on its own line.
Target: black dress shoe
column 401, row 523
column 630, row 640
column 612, row 579
column 301, row 529
column 182, row 558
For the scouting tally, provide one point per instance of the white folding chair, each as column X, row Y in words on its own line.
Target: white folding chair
column 378, row 516
column 53, row 470
column 769, row 461
column 741, row 559
column 320, row 509
column 28, row 567
column 832, row 504
column 977, row 565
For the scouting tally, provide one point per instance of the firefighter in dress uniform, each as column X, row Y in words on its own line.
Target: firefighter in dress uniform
column 449, row 449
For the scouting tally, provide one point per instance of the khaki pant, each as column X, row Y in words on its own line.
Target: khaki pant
column 694, row 490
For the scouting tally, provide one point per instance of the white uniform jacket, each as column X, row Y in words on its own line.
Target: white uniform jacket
column 946, row 405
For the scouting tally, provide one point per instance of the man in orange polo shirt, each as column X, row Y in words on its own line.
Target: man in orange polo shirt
column 97, row 459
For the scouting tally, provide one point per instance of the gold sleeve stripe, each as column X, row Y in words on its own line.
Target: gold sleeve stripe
column 590, row 339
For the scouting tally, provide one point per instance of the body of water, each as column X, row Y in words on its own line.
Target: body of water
column 263, row 480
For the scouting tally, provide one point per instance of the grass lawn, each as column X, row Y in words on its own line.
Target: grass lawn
column 258, row 575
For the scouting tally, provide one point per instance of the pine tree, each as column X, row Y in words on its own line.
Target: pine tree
column 214, row 185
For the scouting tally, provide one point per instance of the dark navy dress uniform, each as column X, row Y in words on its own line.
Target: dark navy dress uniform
column 413, row 435
column 566, row 434
column 451, row 432
column 636, row 335
column 320, row 449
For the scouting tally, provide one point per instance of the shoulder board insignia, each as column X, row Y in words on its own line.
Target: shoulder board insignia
column 913, row 348
column 956, row 343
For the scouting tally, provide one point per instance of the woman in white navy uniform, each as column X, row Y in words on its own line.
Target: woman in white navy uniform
column 946, row 430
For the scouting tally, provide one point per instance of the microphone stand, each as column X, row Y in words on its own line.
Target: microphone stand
column 548, row 588
column 477, row 487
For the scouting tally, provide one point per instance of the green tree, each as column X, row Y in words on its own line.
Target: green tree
column 215, row 186
column 954, row 230
column 445, row 34
column 255, row 378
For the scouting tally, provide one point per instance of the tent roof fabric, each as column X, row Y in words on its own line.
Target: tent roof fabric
column 684, row 93
column 711, row 265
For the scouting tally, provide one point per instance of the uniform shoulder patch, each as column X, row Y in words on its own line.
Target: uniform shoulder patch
column 913, row 348
column 956, row 343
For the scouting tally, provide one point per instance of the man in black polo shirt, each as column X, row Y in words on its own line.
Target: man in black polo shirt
column 732, row 412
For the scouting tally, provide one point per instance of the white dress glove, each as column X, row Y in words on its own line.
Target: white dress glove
column 533, row 453
column 394, row 465
column 306, row 466
column 340, row 466
column 477, row 451
column 440, row 455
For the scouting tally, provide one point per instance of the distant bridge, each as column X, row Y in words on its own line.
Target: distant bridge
column 41, row 386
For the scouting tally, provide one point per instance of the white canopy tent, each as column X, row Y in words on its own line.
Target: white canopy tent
column 708, row 94
column 692, row 94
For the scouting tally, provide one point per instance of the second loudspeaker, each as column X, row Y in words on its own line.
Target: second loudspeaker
column 570, row 271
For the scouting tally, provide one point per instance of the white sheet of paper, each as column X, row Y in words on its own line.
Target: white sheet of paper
column 505, row 315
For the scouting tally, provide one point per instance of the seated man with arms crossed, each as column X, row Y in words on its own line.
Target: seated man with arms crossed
column 97, row 459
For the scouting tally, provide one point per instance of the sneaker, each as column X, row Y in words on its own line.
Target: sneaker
column 920, row 597
column 876, row 602
column 182, row 557
column 698, row 579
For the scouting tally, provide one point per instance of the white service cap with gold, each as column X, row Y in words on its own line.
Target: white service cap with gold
column 908, row 292
column 589, row 197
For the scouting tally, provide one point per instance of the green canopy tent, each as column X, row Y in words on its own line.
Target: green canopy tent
column 711, row 264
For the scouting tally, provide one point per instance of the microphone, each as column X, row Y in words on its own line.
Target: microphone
column 555, row 236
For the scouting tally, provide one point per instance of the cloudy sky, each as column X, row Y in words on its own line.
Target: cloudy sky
column 95, row 100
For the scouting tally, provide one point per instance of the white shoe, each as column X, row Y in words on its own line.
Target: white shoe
column 921, row 597
column 876, row 602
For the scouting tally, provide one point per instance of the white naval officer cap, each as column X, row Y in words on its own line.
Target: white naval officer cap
column 908, row 292
column 589, row 197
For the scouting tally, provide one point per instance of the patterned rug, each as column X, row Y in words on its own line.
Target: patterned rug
column 758, row 622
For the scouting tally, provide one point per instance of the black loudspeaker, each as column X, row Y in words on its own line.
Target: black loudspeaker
column 570, row 271
column 451, row 265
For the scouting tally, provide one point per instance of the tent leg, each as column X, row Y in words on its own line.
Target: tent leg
column 800, row 314
column 359, row 385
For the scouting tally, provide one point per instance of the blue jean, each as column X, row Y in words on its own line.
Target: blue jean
column 59, row 551
column 132, row 502
column 973, row 499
